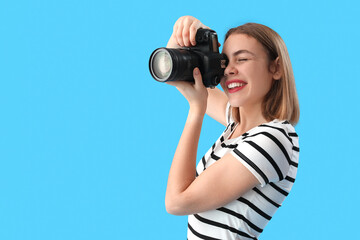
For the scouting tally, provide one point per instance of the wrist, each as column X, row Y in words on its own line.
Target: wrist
column 197, row 110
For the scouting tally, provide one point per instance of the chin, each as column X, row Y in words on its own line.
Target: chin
column 234, row 103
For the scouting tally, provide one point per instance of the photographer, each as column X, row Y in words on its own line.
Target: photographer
column 246, row 175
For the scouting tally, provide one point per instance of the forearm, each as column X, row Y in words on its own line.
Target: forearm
column 216, row 105
column 183, row 168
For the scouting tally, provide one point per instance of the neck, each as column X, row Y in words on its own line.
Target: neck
column 250, row 117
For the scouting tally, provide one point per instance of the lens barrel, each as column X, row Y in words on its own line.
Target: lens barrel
column 167, row 64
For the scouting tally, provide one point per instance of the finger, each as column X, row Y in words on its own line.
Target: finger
column 178, row 28
column 185, row 37
column 193, row 30
column 198, row 78
column 178, row 35
column 186, row 31
column 173, row 35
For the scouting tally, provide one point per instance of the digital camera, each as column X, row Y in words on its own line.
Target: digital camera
column 177, row 64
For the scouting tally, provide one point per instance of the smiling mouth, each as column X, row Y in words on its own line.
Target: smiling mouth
column 235, row 85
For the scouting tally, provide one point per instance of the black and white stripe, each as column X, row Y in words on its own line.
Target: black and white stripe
column 270, row 151
column 223, row 226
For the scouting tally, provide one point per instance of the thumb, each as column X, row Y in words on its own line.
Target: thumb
column 198, row 78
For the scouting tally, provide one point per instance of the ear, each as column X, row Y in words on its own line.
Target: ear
column 276, row 69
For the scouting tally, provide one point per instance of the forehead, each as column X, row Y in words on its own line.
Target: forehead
column 238, row 41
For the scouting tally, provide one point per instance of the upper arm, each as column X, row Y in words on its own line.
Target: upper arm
column 261, row 158
column 265, row 155
column 224, row 181
column 216, row 105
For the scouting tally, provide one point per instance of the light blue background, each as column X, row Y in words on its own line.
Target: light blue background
column 87, row 136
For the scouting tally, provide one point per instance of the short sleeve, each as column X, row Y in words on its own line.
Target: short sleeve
column 265, row 153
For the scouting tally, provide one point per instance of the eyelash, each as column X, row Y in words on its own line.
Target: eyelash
column 242, row 60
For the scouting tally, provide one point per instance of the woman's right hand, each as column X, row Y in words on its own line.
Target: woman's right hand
column 184, row 32
column 183, row 35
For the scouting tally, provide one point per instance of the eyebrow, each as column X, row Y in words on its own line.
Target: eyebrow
column 243, row 51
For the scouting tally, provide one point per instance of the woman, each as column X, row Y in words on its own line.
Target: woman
column 252, row 166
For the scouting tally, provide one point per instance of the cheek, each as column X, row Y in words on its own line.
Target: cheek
column 262, row 80
column 261, row 75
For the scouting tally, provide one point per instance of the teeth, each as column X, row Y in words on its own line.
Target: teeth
column 235, row 84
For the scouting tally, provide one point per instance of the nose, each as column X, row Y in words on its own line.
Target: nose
column 230, row 70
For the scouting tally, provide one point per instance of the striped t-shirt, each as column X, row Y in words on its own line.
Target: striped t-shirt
column 270, row 151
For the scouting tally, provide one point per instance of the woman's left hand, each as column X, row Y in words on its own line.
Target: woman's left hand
column 195, row 93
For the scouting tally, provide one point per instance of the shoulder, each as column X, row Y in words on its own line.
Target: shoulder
column 268, row 150
column 273, row 136
column 280, row 129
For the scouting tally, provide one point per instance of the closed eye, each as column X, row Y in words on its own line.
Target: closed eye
column 242, row 59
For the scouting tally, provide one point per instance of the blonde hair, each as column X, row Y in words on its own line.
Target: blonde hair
column 281, row 102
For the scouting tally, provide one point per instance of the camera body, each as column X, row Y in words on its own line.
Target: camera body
column 170, row 64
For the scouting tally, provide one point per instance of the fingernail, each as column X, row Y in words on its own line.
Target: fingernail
column 196, row 71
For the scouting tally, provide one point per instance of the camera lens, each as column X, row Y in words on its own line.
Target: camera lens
column 161, row 64
column 177, row 64
column 169, row 64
